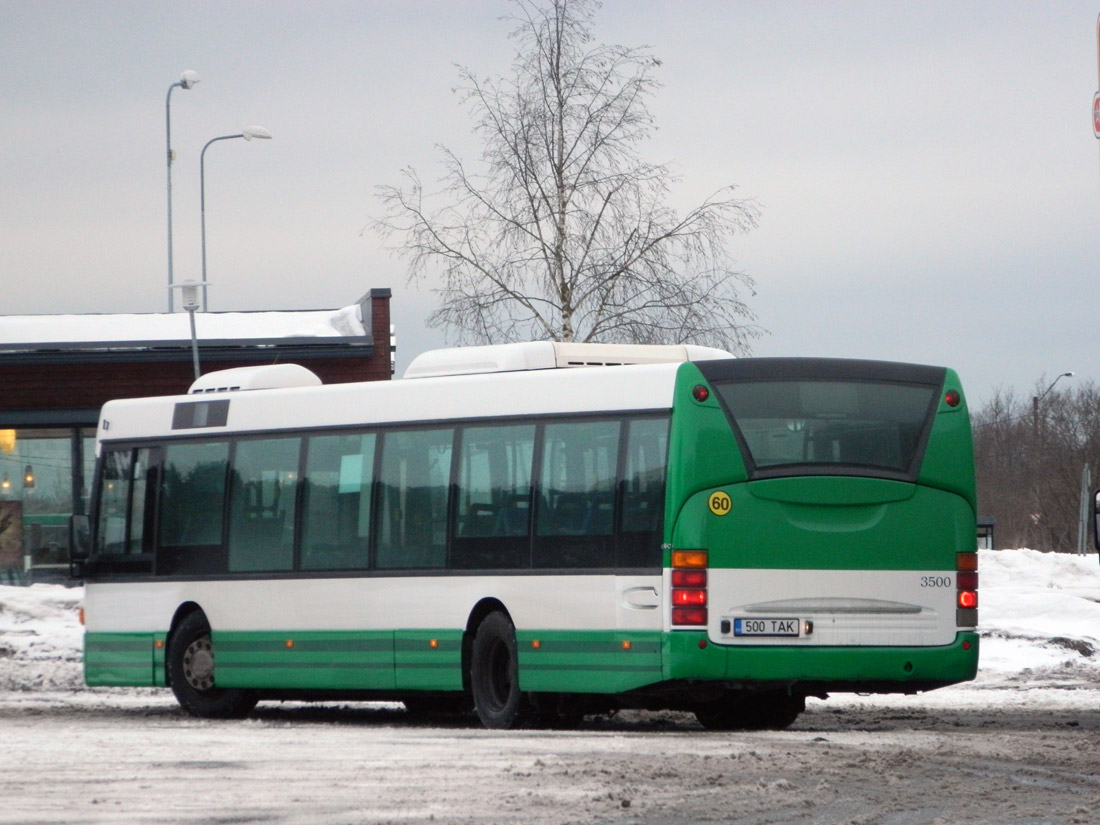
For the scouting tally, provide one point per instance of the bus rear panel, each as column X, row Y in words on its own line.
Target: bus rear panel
column 822, row 526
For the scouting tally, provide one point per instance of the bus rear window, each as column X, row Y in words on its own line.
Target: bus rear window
column 839, row 427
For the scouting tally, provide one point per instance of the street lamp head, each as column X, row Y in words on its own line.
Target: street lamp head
column 189, row 78
column 258, row 132
column 189, row 291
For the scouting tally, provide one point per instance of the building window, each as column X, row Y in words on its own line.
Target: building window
column 45, row 476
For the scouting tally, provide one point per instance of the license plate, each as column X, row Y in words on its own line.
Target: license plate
column 766, row 627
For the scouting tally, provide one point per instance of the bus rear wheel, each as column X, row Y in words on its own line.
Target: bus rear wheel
column 191, row 673
column 494, row 673
column 753, row 711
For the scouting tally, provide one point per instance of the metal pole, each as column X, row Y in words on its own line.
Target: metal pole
column 1085, row 509
column 186, row 81
column 168, row 136
column 202, row 205
column 194, row 343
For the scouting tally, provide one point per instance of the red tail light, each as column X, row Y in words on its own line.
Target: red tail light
column 968, row 599
column 689, row 616
column 689, row 578
column 682, row 596
column 966, row 586
column 689, row 588
column 967, row 580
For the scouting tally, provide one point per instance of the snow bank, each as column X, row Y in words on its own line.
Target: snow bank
column 1040, row 615
column 1040, row 624
column 40, row 637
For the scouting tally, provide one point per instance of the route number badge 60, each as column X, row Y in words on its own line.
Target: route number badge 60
column 719, row 503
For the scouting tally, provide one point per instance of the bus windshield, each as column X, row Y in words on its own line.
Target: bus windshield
column 832, row 425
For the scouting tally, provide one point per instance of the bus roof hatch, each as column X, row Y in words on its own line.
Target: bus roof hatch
column 267, row 377
column 542, row 355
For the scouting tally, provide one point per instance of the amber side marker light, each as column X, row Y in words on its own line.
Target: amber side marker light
column 689, row 558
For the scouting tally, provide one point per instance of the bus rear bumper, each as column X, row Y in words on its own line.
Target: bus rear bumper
column 816, row 670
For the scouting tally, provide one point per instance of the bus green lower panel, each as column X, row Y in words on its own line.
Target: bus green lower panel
column 119, row 659
column 957, row 662
column 588, row 662
column 308, row 660
column 428, row 659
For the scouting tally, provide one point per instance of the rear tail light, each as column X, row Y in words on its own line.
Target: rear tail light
column 966, row 587
column 682, row 597
column 689, row 578
column 693, row 616
column 689, row 588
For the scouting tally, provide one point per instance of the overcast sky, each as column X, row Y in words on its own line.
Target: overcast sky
column 927, row 173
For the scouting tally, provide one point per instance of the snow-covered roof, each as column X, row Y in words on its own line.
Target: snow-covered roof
column 33, row 332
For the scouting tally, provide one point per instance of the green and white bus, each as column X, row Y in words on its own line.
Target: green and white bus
column 539, row 531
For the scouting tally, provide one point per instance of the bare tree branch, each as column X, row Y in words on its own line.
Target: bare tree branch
column 566, row 233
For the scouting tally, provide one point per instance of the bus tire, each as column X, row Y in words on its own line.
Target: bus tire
column 191, row 673
column 494, row 673
column 755, row 711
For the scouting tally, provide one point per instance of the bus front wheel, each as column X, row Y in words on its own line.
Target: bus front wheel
column 191, row 673
column 494, row 673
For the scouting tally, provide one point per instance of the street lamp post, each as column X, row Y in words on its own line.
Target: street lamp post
column 247, row 133
column 190, row 292
column 188, row 79
column 1035, row 399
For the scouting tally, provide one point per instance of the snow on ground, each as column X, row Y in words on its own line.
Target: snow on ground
column 1016, row 746
column 40, row 638
column 1039, row 613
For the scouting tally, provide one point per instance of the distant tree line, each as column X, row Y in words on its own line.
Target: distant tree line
column 1030, row 452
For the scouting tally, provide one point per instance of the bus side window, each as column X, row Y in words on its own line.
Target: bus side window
column 413, row 496
column 114, row 502
column 492, row 522
column 192, row 507
column 126, row 487
column 643, row 493
column 262, row 504
column 336, row 503
column 575, row 519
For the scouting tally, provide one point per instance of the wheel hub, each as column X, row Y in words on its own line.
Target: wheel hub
column 198, row 664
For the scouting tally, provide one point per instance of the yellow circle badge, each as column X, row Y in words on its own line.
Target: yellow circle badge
column 719, row 503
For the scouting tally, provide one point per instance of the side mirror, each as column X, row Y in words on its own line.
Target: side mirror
column 80, row 544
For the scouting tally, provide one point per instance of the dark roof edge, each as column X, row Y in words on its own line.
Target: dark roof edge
column 49, row 418
column 243, row 350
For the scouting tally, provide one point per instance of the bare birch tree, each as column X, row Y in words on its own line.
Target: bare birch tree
column 565, row 232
